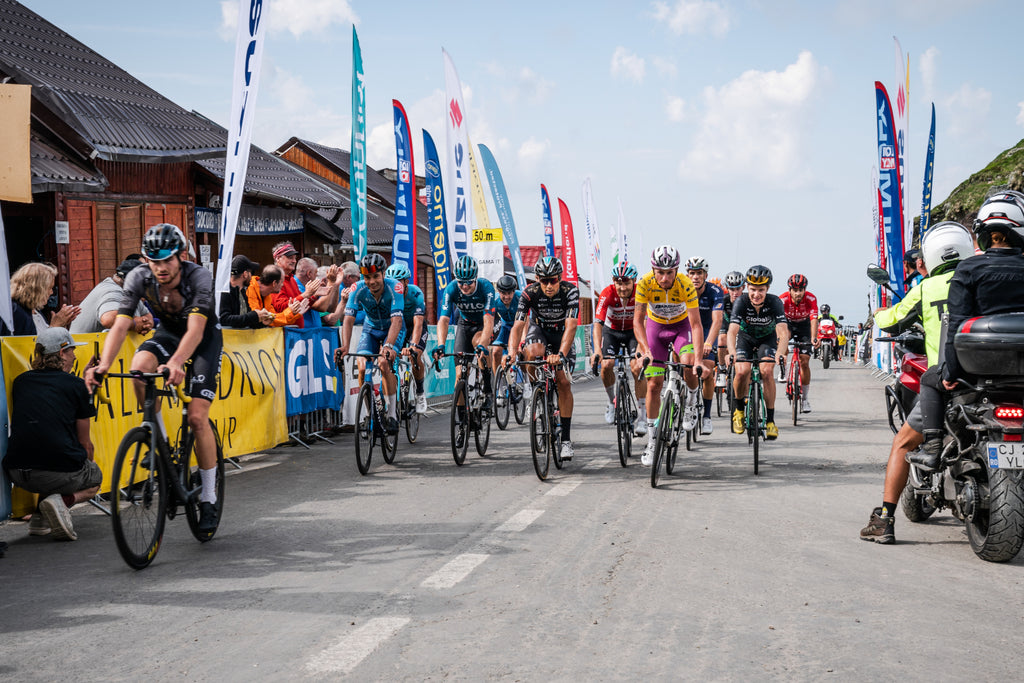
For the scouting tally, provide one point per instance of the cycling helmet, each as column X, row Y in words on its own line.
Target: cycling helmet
column 162, row 241
column 734, row 279
column 1002, row 212
column 398, row 271
column 665, row 257
column 697, row 263
column 825, row 309
column 624, row 269
column 797, row 281
column 506, row 283
column 944, row 245
column 466, row 269
column 759, row 275
column 548, row 266
column 372, row 263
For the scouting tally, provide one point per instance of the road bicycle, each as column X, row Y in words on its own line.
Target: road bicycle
column 371, row 417
column 407, row 399
column 626, row 410
column 545, row 418
column 725, row 394
column 670, row 419
column 508, row 397
column 468, row 403
column 794, row 386
column 754, row 419
column 155, row 478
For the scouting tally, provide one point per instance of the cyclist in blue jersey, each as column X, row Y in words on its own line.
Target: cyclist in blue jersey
column 711, row 303
column 505, row 306
column 382, row 299
column 416, row 337
column 473, row 299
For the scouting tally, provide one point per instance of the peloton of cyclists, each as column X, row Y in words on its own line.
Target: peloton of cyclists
column 664, row 318
column 734, row 285
column 711, row 303
column 757, row 333
column 613, row 332
column 800, row 306
column 552, row 306
column 416, row 332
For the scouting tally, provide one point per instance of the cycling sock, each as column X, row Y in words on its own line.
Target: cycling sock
column 804, row 390
column 392, row 406
column 611, row 393
column 770, row 414
column 209, row 480
column 68, row 499
column 888, row 509
column 487, row 380
column 419, row 387
column 707, row 407
column 641, row 404
column 566, row 425
column 741, row 404
column 652, row 428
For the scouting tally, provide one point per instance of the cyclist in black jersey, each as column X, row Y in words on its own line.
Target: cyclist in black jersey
column 552, row 306
column 180, row 295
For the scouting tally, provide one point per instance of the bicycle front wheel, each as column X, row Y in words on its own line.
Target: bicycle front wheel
column 520, row 406
column 755, row 419
column 540, row 426
column 195, row 481
column 663, row 437
column 502, row 400
column 795, row 393
column 481, row 431
column 364, row 428
column 412, row 418
column 623, row 425
column 460, row 423
column 138, row 499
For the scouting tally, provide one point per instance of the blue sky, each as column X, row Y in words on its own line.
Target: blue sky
column 742, row 131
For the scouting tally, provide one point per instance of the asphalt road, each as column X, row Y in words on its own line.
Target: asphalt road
column 426, row 571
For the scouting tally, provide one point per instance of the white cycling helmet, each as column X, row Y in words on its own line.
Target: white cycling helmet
column 944, row 245
column 697, row 263
column 665, row 257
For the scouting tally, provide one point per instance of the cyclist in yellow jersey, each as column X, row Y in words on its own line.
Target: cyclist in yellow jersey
column 665, row 319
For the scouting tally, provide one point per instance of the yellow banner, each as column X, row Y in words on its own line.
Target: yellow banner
column 249, row 412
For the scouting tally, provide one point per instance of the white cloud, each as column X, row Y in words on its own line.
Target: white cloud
column 627, row 65
column 967, row 110
column 753, row 127
column 520, row 85
column 533, row 151
column 297, row 17
column 665, row 67
column 288, row 106
column 694, row 17
column 1020, row 114
column 928, row 65
column 675, row 109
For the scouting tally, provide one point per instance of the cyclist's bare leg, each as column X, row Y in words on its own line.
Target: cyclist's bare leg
column 206, row 442
column 563, row 384
column 741, row 380
column 708, row 379
column 607, row 372
column 654, row 385
column 640, row 383
column 805, row 369
column 144, row 361
column 419, row 370
column 533, row 352
column 768, row 381
column 689, row 377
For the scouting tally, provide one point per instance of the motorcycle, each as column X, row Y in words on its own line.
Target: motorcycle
column 828, row 340
column 911, row 362
column 981, row 476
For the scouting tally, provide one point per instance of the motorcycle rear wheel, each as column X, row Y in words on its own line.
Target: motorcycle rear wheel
column 915, row 507
column 996, row 534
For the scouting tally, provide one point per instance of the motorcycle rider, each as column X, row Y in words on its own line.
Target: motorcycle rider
column 944, row 246
column 986, row 284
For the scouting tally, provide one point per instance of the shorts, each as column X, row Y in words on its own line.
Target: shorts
column 205, row 359
column 409, row 341
column 663, row 339
column 914, row 418
column 748, row 348
column 464, row 333
column 47, row 482
column 501, row 334
column 614, row 341
column 551, row 338
column 800, row 334
column 372, row 339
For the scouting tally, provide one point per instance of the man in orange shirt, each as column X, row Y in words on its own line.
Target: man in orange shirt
column 263, row 291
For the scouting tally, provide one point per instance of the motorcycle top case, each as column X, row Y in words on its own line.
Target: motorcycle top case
column 992, row 345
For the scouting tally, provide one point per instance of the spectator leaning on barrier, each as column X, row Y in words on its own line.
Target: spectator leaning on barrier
column 286, row 258
column 50, row 451
column 235, row 310
column 262, row 292
column 31, row 286
column 324, row 289
column 99, row 308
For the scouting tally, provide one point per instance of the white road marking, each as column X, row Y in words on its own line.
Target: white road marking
column 250, row 468
column 563, row 489
column 520, row 520
column 354, row 647
column 597, row 464
column 455, row 571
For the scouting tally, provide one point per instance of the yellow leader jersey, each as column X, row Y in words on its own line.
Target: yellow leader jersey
column 666, row 307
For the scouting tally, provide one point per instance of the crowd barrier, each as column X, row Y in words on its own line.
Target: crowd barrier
column 274, row 385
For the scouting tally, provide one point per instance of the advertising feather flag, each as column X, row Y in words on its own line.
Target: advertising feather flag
column 403, row 242
column 357, row 157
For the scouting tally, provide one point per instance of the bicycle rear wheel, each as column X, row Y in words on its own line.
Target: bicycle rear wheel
column 365, row 427
column 755, row 419
column 195, row 480
column 623, row 425
column 138, row 499
column 502, row 400
column 460, row 423
column 540, row 440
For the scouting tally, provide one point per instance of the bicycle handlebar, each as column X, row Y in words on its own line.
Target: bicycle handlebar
column 147, row 377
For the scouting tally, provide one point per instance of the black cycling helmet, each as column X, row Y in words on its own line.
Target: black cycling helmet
column 506, row 283
column 372, row 263
column 548, row 266
column 734, row 279
column 797, row 281
column 759, row 275
column 162, row 241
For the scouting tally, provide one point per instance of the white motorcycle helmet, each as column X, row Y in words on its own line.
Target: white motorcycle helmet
column 944, row 245
column 1001, row 212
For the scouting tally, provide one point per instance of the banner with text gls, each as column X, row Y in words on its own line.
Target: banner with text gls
column 249, row 412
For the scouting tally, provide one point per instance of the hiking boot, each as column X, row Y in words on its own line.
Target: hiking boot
column 209, row 518
column 737, row 422
column 58, row 517
column 38, row 526
column 771, row 432
column 879, row 528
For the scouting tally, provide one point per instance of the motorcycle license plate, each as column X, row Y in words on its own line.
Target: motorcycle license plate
column 1006, row 456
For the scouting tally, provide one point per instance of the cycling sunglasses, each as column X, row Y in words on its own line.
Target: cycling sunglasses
column 548, row 280
column 622, row 280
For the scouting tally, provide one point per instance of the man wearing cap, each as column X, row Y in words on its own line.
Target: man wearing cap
column 263, row 290
column 286, row 257
column 234, row 307
column 50, row 451
column 99, row 308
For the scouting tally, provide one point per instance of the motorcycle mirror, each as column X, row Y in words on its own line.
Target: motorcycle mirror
column 878, row 275
column 840, row 317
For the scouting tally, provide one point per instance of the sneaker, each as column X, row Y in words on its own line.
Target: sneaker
column 38, row 526
column 737, row 422
column 879, row 529
column 689, row 411
column 567, row 451
column 609, row 413
column 58, row 517
column 805, row 405
column 640, row 426
column 771, row 431
column 706, row 427
column 721, row 380
column 209, row 518
column 391, row 425
column 421, row 404
column 647, row 459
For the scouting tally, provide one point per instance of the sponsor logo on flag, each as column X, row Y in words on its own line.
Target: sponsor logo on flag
column 886, row 157
column 455, row 113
